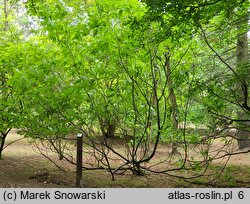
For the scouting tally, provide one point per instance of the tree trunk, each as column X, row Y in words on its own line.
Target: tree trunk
column 242, row 58
column 172, row 99
column 107, row 128
column 5, row 10
column 3, row 135
column 2, row 141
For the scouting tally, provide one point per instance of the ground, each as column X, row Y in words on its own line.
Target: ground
column 23, row 166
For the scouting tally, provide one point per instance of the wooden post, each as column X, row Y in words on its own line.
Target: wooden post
column 79, row 160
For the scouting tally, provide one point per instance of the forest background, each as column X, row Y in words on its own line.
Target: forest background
column 156, row 87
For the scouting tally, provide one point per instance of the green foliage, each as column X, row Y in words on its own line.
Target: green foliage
column 93, row 64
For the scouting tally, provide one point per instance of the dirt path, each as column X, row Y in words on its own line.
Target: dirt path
column 23, row 166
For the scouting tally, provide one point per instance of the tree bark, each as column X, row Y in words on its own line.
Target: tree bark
column 242, row 60
column 6, row 27
column 172, row 99
column 107, row 127
column 5, row 10
column 2, row 141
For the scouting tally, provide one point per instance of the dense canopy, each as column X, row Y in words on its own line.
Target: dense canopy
column 151, row 74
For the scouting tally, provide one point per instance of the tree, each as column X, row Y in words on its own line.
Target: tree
column 243, row 66
column 215, row 13
column 144, row 74
column 9, row 106
column 4, row 130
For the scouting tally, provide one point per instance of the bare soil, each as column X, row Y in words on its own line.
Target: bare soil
column 23, row 166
